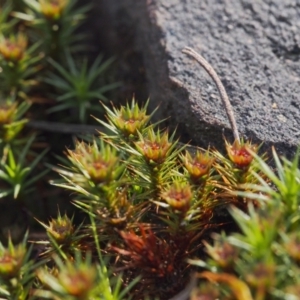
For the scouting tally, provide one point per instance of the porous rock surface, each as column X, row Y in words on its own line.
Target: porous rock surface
column 254, row 46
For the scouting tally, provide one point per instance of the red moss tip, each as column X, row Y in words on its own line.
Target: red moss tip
column 154, row 147
column 178, row 196
column 13, row 48
column 240, row 153
column 199, row 165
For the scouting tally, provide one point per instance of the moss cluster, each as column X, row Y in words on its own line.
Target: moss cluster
column 147, row 204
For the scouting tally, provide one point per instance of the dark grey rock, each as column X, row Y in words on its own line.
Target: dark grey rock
column 254, row 46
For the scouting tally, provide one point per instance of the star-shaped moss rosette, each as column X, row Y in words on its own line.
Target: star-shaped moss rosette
column 94, row 171
column 8, row 111
column 11, row 260
column 178, row 196
column 13, row 48
column 154, row 159
column 53, row 9
column 155, row 147
column 198, row 166
column 125, row 123
column 15, row 171
column 184, row 210
column 78, row 86
column 64, row 237
column 235, row 171
column 240, row 153
column 55, row 23
column 76, row 278
column 61, row 229
column 16, row 270
column 18, row 63
column 97, row 163
column 129, row 119
column 11, row 121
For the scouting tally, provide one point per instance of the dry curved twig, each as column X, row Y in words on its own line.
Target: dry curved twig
column 212, row 73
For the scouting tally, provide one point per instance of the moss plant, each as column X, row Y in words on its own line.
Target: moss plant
column 152, row 200
column 17, row 271
column 151, row 203
column 18, row 63
column 78, row 87
column 260, row 262
column 56, row 22
column 147, row 205
column 33, row 34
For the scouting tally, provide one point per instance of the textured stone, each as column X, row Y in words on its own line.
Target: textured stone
column 254, row 46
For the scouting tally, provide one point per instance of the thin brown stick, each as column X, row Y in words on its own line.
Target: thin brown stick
column 212, row 73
